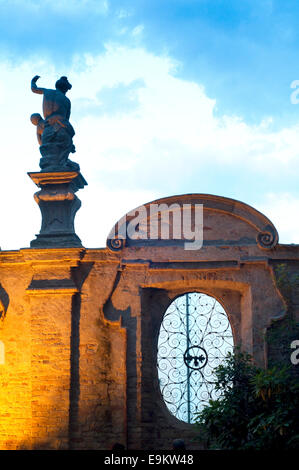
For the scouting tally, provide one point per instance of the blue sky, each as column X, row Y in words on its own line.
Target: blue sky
column 169, row 97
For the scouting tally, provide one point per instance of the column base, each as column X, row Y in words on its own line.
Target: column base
column 58, row 205
column 62, row 240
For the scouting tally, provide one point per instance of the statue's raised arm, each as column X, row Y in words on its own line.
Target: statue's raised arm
column 54, row 132
column 35, row 88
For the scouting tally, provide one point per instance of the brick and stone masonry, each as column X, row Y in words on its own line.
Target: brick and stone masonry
column 79, row 327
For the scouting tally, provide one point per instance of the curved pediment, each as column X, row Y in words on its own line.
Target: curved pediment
column 171, row 221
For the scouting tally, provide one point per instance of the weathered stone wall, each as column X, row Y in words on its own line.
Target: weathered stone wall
column 282, row 333
column 80, row 329
column 15, row 372
column 63, row 381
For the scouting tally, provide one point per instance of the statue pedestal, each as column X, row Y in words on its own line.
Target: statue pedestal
column 58, row 205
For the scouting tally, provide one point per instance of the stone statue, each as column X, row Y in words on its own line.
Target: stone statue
column 54, row 132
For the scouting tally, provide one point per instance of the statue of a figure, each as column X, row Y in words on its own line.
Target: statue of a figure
column 54, row 132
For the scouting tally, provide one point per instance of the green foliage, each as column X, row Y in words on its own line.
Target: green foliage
column 257, row 408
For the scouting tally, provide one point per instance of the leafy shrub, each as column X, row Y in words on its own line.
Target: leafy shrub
column 257, row 408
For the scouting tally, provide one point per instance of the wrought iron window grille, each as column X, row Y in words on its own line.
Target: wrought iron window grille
column 195, row 337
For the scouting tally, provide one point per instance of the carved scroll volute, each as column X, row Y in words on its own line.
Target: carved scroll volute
column 267, row 239
column 115, row 244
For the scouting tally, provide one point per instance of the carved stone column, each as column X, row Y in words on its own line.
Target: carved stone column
column 58, row 205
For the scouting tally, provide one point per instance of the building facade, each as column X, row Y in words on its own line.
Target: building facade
column 79, row 327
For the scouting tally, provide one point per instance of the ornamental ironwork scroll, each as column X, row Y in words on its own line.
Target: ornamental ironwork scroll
column 195, row 337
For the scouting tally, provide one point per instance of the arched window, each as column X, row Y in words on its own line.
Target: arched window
column 194, row 338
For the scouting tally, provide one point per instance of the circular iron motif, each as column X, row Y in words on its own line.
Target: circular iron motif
column 195, row 357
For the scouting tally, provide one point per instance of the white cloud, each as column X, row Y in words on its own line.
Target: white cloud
column 123, row 13
column 166, row 138
column 138, row 30
column 102, row 207
column 282, row 209
column 178, row 112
